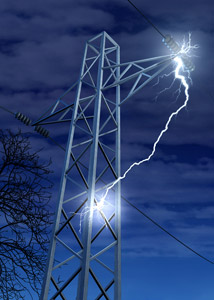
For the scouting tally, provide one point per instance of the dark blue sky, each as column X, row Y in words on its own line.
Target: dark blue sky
column 41, row 48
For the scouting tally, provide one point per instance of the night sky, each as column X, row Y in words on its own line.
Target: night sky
column 41, row 48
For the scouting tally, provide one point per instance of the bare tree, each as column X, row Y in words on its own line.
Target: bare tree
column 24, row 217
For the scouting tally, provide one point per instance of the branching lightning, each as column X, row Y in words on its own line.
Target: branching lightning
column 183, row 80
column 185, row 49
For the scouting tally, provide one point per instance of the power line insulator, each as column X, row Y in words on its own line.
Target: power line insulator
column 171, row 44
column 187, row 62
column 175, row 49
column 42, row 131
column 24, row 119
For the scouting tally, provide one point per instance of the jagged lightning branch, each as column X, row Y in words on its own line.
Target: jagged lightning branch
column 188, row 49
column 179, row 62
column 99, row 206
column 169, row 87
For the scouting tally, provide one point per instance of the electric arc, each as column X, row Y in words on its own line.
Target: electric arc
column 183, row 64
column 182, row 59
column 186, row 49
column 180, row 66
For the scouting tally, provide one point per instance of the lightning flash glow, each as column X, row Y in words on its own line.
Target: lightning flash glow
column 182, row 78
column 187, row 49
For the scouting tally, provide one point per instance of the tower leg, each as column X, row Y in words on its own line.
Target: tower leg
column 90, row 166
column 88, row 218
column 117, row 290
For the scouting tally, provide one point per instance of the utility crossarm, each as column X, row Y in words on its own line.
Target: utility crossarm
column 136, row 70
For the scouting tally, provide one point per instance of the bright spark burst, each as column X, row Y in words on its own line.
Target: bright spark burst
column 179, row 62
column 188, row 49
column 98, row 207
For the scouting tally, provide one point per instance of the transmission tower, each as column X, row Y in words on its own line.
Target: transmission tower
column 84, row 259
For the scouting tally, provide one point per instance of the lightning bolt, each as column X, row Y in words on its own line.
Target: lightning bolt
column 188, row 49
column 182, row 78
column 185, row 49
column 178, row 91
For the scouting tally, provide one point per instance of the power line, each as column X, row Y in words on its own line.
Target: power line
column 148, row 21
column 166, row 231
column 140, row 211
column 7, row 110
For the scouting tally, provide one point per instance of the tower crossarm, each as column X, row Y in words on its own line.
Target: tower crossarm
column 137, row 73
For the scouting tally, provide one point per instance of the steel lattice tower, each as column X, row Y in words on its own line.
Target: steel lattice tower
column 91, row 267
